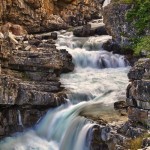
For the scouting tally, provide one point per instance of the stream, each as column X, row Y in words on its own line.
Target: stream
column 99, row 79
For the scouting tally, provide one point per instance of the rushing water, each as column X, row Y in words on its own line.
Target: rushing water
column 106, row 2
column 99, row 79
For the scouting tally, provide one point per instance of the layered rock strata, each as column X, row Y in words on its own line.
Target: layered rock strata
column 48, row 15
column 138, row 93
column 29, row 79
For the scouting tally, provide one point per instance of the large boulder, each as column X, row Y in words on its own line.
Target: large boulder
column 138, row 92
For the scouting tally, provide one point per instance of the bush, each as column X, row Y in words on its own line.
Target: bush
column 140, row 15
column 143, row 44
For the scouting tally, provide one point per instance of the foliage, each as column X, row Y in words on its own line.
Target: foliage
column 139, row 15
column 142, row 44
column 137, row 142
column 123, row 1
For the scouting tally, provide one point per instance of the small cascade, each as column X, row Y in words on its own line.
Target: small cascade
column 106, row 2
column 88, row 52
column 19, row 118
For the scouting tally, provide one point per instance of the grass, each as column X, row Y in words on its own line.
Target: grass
column 136, row 143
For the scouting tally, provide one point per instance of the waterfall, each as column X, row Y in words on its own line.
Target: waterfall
column 88, row 52
column 97, row 82
column 19, row 118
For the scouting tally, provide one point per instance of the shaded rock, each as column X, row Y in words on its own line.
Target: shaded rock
column 146, row 142
column 88, row 30
column 101, row 30
column 84, row 31
column 120, row 105
column 35, row 42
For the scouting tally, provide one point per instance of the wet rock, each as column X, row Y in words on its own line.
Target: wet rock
column 101, row 30
column 54, row 35
column 83, row 31
column 88, row 30
column 120, row 105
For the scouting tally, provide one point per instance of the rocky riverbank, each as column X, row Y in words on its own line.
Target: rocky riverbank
column 29, row 78
column 119, row 136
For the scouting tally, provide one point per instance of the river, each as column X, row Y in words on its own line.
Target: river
column 99, row 79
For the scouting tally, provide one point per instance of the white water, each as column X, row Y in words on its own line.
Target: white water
column 99, row 79
column 106, row 2
column 20, row 119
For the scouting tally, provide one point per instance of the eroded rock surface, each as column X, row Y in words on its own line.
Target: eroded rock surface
column 48, row 15
column 29, row 79
column 138, row 92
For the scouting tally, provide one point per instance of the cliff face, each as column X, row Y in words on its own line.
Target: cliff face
column 35, row 16
column 48, row 15
column 116, row 23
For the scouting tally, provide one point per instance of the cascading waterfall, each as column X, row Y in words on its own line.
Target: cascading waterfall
column 98, row 80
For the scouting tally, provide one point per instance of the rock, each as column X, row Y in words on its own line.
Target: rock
column 15, row 29
column 84, row 31
column 139, row 69
column 112, row 46
column 38, row 16
column 101, row 30
column 35, row 42
column 114, row 17
column 138, row 115
column 138, row 92
column 29, row 80
column 120, row 105
column 54, row 35
column 88, row 30
column 1, row 35
column 146, row 143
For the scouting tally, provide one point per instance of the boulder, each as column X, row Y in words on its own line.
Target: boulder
column 138, row 92
column 84, row 31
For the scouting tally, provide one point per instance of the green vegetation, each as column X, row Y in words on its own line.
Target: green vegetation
column 141, row 44
column 124, row 1
column 139, row 15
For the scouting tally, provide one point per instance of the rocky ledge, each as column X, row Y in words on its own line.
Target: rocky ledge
column 43, row 16
column 138, row 92
column 121, row 135
column 29, row 78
